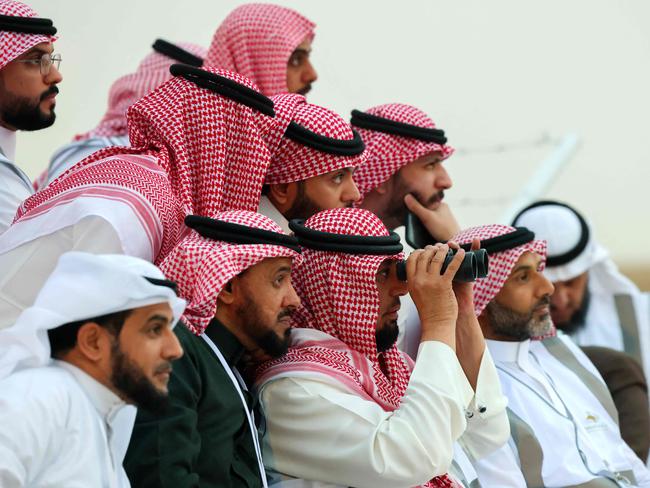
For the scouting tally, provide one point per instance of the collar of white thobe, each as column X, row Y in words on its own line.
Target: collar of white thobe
column 518, row 355
column 8, row 143
column 118, row 417
column 104, row 400
column 269, row 210
column 509, row 352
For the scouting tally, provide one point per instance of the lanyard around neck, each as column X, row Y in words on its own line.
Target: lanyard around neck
column 605, row 473
column 238, row 383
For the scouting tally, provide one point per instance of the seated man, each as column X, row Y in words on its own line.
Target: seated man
column 562, row 418
column 29, row 75
column 597, row 306
column 593, row 301
column 113, row 130
column 344, row 406
column 313, row 167
column 235, row 273
column 405, row 172
column 268, row 44
column 97, row 340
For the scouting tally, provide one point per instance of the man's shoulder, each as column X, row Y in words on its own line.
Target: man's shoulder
column 199, row 366
column 44, row 391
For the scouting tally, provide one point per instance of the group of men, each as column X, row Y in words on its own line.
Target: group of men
column 210, row 288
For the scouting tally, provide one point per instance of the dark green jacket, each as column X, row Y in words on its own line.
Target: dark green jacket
column 203, row 438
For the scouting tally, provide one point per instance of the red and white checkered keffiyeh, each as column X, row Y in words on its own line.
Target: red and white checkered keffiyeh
column 387, row 153
column 257, row 40
column 339, row 297
column 501, row 263
column 296, row 162
column 152, row 72
column 13, row 44
column 201, row 267
column 212, row 155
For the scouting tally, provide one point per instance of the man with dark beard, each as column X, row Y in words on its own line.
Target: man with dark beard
column 345, row 407
column 235, row 272
column 312, row 170
column 563, row 421
column 28, row 77
column 405, row 172
column 97, row 340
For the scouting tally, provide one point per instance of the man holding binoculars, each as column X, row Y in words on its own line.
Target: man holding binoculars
column 344, row 405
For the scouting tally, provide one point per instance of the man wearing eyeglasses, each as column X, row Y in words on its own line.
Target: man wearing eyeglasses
column 28, row 77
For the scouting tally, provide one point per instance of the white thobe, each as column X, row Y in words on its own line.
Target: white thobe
column 319, row 430
column 30, row 249
column 61, row 428
column 15, row 186
column 578, row 437
column 70, row 154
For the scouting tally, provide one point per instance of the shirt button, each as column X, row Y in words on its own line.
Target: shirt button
column 469, row 414
column 482, row 408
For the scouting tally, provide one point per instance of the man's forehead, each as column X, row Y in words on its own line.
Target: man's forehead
column 330, row 174
column 386, row 263
column 528, row 258
column 156, row 310
column 304, row 46
column 432, row 157
column 43, row 47
column 273, row 264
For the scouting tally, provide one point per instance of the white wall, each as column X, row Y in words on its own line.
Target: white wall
column 491, row 73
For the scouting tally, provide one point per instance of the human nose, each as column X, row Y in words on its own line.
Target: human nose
column 291, row 300
column 172, row 348
column 443, row 180
column 350, row 193
column 546, row 287
column 309, row 74
column 398, row 288
column 54, row 76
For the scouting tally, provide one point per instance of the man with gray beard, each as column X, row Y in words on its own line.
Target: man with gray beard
column 563, row 422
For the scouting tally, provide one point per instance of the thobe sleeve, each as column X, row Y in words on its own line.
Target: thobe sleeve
column 487, row 420
column 501, row 468
column 164, row 449
column 320, row 431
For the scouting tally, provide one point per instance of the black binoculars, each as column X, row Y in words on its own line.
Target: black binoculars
column 474, row 266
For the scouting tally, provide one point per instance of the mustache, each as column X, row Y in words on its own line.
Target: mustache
column 53, row 90
column 304, row 90
column 395, row 303
column 545, row 300
column 437, row 197
column 165, row 367
column 284, row 313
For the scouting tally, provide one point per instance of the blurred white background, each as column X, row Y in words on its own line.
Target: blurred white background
column 506, row 79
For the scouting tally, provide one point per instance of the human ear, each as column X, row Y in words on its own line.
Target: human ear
column 93, row 341
column 227, row 295
column 280, row 193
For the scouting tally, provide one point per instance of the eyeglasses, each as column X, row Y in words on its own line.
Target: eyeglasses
column 45, row 62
